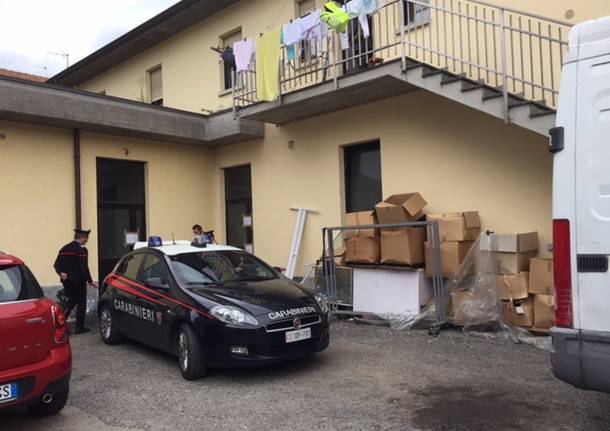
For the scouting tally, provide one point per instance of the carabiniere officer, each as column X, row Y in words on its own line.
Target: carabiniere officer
column 73, row 269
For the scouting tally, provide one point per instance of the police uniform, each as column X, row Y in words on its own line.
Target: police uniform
column 72, row 259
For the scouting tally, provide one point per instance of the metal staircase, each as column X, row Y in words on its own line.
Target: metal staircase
column 497, row 60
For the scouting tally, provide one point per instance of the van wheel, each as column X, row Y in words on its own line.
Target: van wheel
column 110, row 335
column 57, row 403
column 191, row 356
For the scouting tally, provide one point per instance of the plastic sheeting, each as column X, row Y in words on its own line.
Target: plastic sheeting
column 92, row 299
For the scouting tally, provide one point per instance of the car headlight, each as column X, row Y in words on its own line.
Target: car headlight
column 233, row 315
column 322, row 302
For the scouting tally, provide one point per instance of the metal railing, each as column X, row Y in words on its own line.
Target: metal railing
column 517, row 53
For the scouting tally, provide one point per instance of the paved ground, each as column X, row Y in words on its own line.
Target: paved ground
column 369, row 379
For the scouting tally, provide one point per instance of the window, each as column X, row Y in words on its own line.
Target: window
column 305, row 7
column 130, row 267
column 154, row 267
column 416, row 13
column 156, row 86
column 228, row 60
column 362, row 177
column 18, row 284
column 217, row 267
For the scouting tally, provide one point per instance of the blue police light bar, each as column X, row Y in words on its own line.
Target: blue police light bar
column 155, row 241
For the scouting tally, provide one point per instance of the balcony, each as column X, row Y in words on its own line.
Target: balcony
column 498, row 60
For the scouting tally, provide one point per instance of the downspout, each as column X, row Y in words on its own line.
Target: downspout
column 77, row 196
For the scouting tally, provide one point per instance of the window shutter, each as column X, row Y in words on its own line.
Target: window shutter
column 306, row 7
column 230, row 39
column 156, row 85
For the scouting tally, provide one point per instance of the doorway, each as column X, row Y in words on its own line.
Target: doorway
column 238, row 207
column 121, row 208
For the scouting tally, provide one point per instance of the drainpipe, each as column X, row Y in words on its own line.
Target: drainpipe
column 77, row 199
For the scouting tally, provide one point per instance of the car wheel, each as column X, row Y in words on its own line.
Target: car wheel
column 191, row 356
column 110, row 335
column 53, row 407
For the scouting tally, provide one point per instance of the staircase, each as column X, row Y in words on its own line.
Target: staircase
column 503, row 62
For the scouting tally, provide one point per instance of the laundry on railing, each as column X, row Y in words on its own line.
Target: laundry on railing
column 244, row 51
column 335, row 17
column 362, row 9
column 267, row 62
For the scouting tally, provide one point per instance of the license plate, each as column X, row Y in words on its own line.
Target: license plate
column 301, row 334
column 8, row 392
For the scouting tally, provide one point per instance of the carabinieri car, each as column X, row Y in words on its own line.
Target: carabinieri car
column 212, row 306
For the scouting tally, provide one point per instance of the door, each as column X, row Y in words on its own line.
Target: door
column 152, row 325
column 238, row 207
column 121, row 208
column 593, row 192
column 362, row 176
column 359, row 53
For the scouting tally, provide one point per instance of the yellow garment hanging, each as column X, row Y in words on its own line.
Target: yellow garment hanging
column 268, row 65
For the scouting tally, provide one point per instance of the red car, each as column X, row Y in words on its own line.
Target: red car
column 35, row 354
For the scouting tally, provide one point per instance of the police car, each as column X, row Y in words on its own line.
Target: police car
column 210, row 306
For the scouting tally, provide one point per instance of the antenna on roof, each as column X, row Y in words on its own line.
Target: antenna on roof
column 173, row 239
column 64, row 55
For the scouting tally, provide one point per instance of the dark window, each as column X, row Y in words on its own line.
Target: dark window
column 154, row 267
column 362, row 177
column 416, row 13
column 17, row 283
column 132, row 265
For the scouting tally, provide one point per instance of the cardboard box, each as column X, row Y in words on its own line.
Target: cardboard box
column 541, row 276
column 544, row 311
column 403, row 246
column 360, row 219
column 510, row 243
column 452, row 255
column 363, row 250
column 400, row 208
column 519, row 313
column 514, row 263
column 464, row 226
column 514, row 286
column 340, row 256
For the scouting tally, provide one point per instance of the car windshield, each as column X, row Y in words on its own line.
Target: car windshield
column 219, row 267
column 18, row 284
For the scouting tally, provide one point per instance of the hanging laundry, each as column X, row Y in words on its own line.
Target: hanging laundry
column 292, row 33
column 310, row 26
column 286, row 38
column 244, row 53
column 335, row 17
column 267, row 63
column 228, row 57
column 362, row 9
column 344, row 39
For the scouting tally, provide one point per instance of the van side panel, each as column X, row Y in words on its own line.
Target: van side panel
column 593, row 188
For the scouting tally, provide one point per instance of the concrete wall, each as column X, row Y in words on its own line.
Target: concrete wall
column 38, row 189
column 459, row 159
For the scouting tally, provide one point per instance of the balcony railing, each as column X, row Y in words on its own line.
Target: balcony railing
column 518, row 53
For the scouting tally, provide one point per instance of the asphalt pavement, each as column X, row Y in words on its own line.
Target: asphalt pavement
column 370, row 378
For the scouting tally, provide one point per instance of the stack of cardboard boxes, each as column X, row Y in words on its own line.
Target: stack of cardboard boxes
column 396, row 246
column 457, row 232
column 525, row 283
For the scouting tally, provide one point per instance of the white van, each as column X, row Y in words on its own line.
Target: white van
column 581, row 211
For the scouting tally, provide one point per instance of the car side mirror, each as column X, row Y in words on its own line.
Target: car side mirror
column 157, row 283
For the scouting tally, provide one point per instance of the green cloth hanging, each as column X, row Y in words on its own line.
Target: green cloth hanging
column 268, row 65
column 335, row 17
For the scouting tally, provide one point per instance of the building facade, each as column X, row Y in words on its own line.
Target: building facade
column 339, row 138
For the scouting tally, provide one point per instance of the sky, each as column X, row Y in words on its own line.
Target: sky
column 31, row 29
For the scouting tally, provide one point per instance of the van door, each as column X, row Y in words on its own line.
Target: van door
column 593, row 192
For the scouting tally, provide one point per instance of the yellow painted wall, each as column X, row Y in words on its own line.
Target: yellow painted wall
column 37, row 209
column 457, row 158
column 192, row 72
column 38, row 190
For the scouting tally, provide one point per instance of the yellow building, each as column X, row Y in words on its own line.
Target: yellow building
column 449, row 98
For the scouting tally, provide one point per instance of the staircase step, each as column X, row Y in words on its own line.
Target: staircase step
column 538, row 109
column 515, row 100
column 448, row 78
column 431, row 71
column 492, row 93
column 470, row 85
column 412, row 64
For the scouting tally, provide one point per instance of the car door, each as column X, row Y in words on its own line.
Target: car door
column 125, row 297
column 156, row 302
